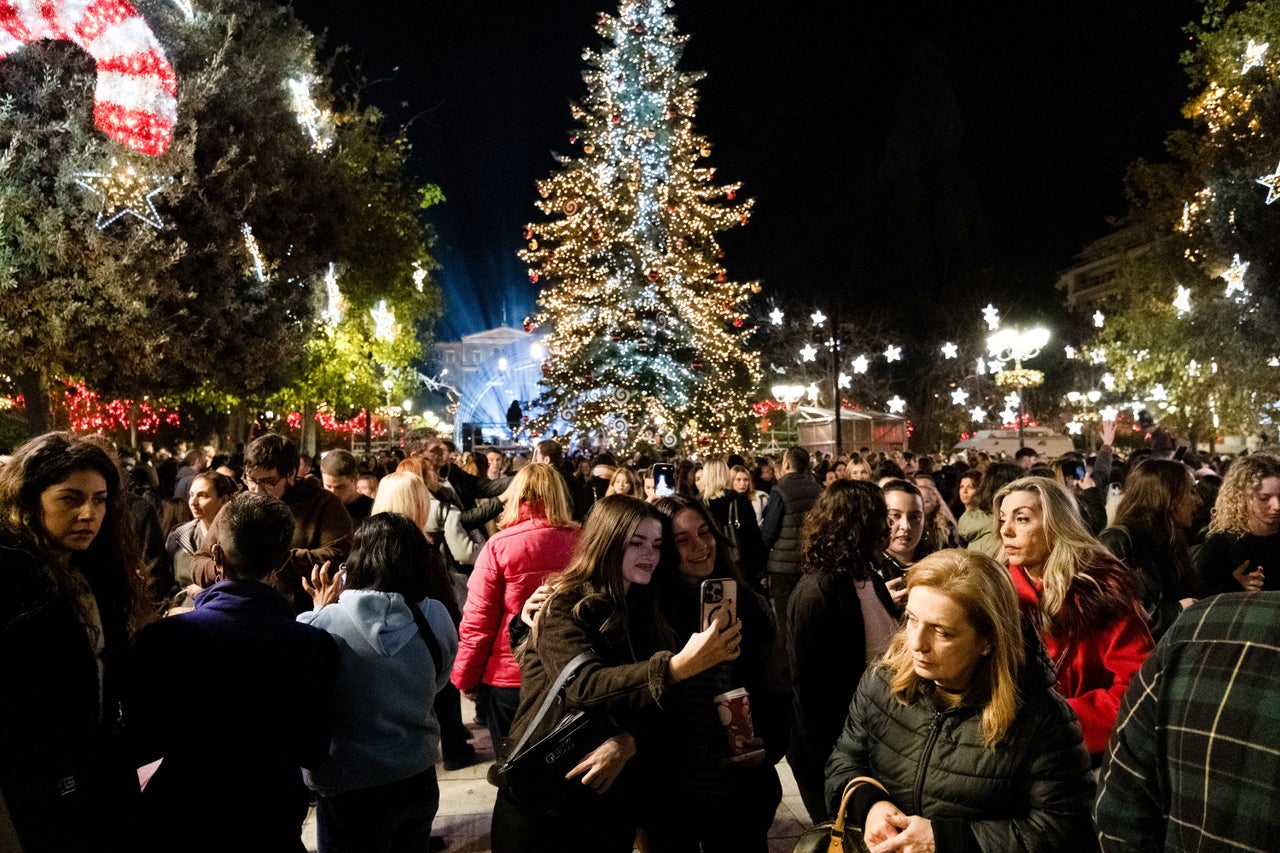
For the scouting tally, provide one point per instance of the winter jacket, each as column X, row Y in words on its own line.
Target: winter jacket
column 1099, row 639
column 1152, row 560
column 322, row 533
column 751, row 550
column 383, row 727
column 1032, row 791
column 978, row 529
column 510, row 567
column 789, row 502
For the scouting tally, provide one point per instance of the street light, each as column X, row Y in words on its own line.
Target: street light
column 789, row 395
column 1019, row 345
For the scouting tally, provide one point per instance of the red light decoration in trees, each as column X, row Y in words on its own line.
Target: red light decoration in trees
column 135, row 101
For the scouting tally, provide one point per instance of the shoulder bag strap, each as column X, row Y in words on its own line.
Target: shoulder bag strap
column 556, row 686
column 428, row 636
column 837, row 844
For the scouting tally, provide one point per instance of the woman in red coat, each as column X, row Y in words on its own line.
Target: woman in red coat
column 537, row 537
column 1082, row 600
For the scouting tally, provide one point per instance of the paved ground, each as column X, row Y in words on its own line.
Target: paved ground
column 466, row 803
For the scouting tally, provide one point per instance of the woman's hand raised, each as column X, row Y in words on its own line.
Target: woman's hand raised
column 322, row 588
column 707, row 648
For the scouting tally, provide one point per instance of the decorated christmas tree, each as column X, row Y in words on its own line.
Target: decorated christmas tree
column 645, row 324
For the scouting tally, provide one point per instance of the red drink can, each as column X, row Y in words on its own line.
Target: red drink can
column 734, row 710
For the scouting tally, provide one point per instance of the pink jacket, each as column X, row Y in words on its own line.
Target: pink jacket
column 1111, row 640
column 511, row 566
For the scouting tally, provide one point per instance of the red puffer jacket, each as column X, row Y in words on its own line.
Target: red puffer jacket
column 511, row 566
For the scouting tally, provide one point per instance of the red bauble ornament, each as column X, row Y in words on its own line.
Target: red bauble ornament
column 720, row 277
column 533, row 276
column 652, row 275
column 572, row 139
column 616, row 119
column 737, row 323
column 528, row 233
column 731, row 195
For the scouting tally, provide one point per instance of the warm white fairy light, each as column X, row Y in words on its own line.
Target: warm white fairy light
column 123, row 191
column 896, row 404
column 860, row 364
column 1254, row 54
column 333, row 308
column 1182, row 302
column 313, row 120
column 1234, row 275
column 251, row 245
column 419, row 276
column 950, row 350
column 808, row 352
column 959, row 396
column 992, row 315
column 1272, row 183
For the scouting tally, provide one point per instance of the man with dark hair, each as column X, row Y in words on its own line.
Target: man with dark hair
column 548, row 452
column 1026, row 457
column 466, row 487
column 323, row 527
column 793, row 495
column 234, row 697
column 338, row 473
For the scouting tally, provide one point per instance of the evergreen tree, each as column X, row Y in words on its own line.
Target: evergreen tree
column 646, row 326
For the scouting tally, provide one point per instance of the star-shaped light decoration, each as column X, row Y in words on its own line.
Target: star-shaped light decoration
column 982, row 367
column 950, row 350
column 1274, row 361
column 1234, row 276
column 1272, row 183
column 1075, row 428
column 959, row 396
column 776, row 315
column 1070, row 351
column 844, row 380
column 978, row 414
column 994, row 365
column 123, row 191
column 1108, row 413
column 1012, row 399
column 896, row 404
column 812, row 392
column 1098, row 319
column 384, row 321
column 1109, row 381
column 808, row 352
column 1159, row 394
column 860, row 364
column 1253, row 56
column 818, row 318
column 892, row 353
column 992, row 315
column 1008, row 416
column 1182, row 302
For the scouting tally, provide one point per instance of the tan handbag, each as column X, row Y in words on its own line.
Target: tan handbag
column 839, row 835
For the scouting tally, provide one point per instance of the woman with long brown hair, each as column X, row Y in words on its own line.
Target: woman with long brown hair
column 73, row 596
column 966, row 743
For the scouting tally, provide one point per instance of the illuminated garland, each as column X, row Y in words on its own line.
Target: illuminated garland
column 135, row 100
column 88, row 412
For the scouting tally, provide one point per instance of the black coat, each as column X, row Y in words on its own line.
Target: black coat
column 789, row 502
column 1031, row 791
column 751, row 550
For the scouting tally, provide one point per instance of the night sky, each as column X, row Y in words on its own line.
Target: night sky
column 1052, row 102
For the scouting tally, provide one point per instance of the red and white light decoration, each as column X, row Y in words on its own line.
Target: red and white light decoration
column 135, row 101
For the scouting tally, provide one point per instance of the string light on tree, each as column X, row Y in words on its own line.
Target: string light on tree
column 1272, row 183
column 333, row 309
column 251, row 246
column 950, row 350
column 384, row 321
column 314, row 121
column 419, row 276
column 1253, row 56
column 123, row 191
column 1234, row 275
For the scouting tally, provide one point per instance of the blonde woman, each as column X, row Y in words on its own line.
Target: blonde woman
column 736, row 515
column 1084, row 602
column 624, row 481
column 958, row 725
column 1242, row 550
column 536, row 537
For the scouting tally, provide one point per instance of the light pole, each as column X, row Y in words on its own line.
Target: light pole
column 1019, row 345
column 789, row 395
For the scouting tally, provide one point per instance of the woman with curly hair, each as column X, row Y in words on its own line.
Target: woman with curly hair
column 1085, row 604
column 73, row 596
column 1242, row 550
column 1150, row 536
column 840, row 619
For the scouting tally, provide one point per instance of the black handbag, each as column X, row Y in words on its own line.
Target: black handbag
column 841, row 834
column 534, row 773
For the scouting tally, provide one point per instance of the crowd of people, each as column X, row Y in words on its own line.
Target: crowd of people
column 961, row 652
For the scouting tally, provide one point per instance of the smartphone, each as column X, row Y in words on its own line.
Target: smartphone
column 719, row 594
column 664, row 479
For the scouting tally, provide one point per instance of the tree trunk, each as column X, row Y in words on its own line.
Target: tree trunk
column 35, row 394
column 308, row 440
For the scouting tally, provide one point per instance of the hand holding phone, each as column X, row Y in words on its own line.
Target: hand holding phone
column 664, row 479
column 719, row 595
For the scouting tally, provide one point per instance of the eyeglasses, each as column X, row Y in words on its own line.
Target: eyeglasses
column 264, row 482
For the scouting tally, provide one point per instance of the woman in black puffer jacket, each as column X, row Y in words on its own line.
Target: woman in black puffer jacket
column 961, row 728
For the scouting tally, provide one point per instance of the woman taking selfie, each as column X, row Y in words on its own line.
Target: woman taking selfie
column 959, row 727
column 72, row 598
column 1085, row 604
column 598, row 605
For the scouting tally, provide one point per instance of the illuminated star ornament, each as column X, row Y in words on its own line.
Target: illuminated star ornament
column 384, row 321
column 818, row 318
column 419, row 275
column 1109, row 413
column 1253, row 56
column 844, row 380
column 978, row 414
column 992, row 315
column 860, row 364
column 123, row 191
column 896, row 404
column 775, row 316
column 959, row 396
column 1272, row 183
column 1182, row 302
column 808, row 352
column 892, row 353
column 1099, row 319
column 1234, row 276
column 1070, row 351
column 1074, row 428
column 949, row 350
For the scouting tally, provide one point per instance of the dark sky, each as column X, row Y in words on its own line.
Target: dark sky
column 1053, row 100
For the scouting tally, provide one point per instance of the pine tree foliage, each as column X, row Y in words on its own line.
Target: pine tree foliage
column 646, row 325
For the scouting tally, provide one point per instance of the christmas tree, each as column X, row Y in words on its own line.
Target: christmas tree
column 646, row 326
